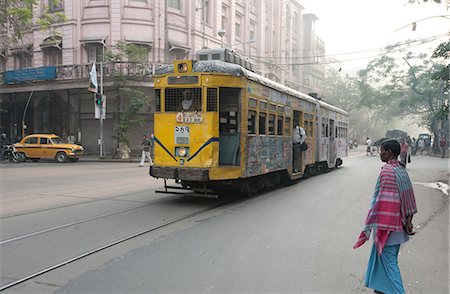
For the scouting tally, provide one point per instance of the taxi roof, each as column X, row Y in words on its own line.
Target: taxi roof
column 42, row 135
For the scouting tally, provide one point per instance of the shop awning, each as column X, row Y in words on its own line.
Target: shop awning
column 94, row 40
column 139, row 42
column 177, row 46
column 52, row 42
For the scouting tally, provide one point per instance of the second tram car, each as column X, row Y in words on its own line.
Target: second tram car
column 219, row 126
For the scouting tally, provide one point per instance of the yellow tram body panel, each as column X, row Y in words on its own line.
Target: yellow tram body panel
column 165, row 155
column 203, row 146
column 190, row 140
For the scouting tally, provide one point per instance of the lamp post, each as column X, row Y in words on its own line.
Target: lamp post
column 221, row 33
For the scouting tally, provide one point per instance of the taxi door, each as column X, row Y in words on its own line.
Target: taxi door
column 44, row 144
column 31, row 147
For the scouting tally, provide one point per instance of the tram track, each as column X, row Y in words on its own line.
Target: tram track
column 93, row 200
column 43, row 231
column 105, row 246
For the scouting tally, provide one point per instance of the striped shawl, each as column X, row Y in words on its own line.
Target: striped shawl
column 392, row 201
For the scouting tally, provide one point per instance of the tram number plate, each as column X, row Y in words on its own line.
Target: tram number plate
column 182, row 135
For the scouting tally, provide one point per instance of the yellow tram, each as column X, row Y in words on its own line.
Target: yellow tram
column 220, row 126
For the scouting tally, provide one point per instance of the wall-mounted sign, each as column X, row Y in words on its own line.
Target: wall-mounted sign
column 29, row 74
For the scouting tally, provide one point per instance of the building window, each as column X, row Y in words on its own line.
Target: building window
column 206, row 12
column 94, row 52
column 23, row 59
column 175, row 4
column 237, row 27
column 138, row 52
column 224, row 17
column 252, row 31
column 55, row 5
column 2, row 64
column 52, row 56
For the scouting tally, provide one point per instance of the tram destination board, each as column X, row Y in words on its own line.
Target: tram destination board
column 182, row 80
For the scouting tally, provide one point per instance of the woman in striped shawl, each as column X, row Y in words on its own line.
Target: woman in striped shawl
column 390, row 221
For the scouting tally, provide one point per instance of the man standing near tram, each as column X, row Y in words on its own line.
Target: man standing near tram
column 298, row 138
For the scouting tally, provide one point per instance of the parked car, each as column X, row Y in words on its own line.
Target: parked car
column 37, row 146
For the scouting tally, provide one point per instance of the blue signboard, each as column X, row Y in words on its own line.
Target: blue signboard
column 29, row 74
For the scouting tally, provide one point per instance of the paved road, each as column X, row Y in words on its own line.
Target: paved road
column 294, row 239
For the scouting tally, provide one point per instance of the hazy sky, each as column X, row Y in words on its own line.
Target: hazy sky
column 348, row 26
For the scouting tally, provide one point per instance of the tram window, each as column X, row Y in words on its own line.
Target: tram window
column 183, row 99
column 262, row 123
column 335, row 134
column 280, row 109
column 211, row 99
column 287, row 129
column 280, row 125
column 271, row 124
column 157, row 100
column 273, row 107
column 252, row 102
column 251, row 122
column 262, row 105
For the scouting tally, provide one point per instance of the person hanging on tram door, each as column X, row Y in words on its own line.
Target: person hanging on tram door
column 298, row 140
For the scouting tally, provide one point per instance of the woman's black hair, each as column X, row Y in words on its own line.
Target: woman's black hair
column 392, row 145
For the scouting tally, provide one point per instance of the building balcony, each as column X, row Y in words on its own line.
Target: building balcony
column 128, row 70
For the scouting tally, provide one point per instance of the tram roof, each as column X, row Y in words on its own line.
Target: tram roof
column 218, row 66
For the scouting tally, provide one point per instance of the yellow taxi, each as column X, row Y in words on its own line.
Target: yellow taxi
column 37, row 146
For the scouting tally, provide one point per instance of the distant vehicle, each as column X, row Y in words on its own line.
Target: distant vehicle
column 396, row 135
column 426, row 137
column 37, row 146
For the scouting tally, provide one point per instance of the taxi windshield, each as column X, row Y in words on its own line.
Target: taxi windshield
column 57, row 140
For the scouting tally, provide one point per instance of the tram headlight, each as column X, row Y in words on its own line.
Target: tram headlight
column 181, row 151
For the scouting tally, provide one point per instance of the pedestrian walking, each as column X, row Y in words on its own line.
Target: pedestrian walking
column 369, row 144
column 404, row 147
column 147, row 143
column 389, row 220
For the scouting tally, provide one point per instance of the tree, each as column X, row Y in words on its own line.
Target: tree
column 403, row 85
column 16, row 19
column 131, row 100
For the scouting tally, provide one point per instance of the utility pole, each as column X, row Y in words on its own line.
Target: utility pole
column 101, row 106
column 166, row 34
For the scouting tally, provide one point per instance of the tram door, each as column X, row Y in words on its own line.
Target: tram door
column 332, row 148
column 229, row 124
column 297, row 154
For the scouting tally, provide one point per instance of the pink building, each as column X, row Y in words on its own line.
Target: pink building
column 51, row 68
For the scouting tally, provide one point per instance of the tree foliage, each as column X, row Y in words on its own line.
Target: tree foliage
column 400, row 85
column 133, row 100
column 16, row 19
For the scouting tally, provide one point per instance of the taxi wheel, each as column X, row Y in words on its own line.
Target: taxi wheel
column 22, row 157
column 61, row 157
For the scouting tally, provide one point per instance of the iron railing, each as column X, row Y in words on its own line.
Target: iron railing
column 138, row 70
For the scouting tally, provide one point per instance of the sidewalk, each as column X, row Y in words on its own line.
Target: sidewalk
column 96, row 158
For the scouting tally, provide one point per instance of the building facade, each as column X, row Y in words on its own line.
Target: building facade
column 45, row 78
